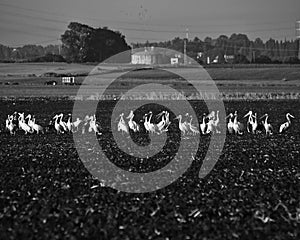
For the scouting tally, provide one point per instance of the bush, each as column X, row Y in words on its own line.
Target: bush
column 49, row 58
column 239, row 58
column 292, row 60
column 263, row 59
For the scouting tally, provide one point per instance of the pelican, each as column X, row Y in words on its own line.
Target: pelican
column 182, row 125
column 29, row 121
column 203, row 125
column 259, row 126
column 216, row 123
column 164, row 124
column 57, row 126
column 69, row 124
column 146, row 124
column 10, row 126
column 122, row 125
column 285, row 126
column 34, row 126
column 213, row 121
column 131, row 123
column 251, row 124
column 230, row 123
column 255, row 124
column 94, row 126
column 62, row 123
column 237, row 126
column 210, row 126
column 151, row 126
column 85, row 123
column 193, row 128
column 76, row 125
column 268, row 127
column 24, row 126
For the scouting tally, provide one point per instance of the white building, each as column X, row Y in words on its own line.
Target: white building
column 147, row 57
column 68, row 80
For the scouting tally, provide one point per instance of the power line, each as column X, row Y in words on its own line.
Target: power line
column 21, row 15
column 143, row 24
column 121, row 28
column 30, row 25
column 24, row 32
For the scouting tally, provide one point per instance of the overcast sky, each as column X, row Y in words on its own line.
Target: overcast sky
column 43, row 21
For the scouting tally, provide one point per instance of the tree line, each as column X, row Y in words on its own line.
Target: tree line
column 240, row 46
column 83, row 43
column 28, row 53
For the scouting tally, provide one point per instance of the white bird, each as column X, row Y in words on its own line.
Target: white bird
column 86, row 121
column 76, row 125
column 122, row 125
column 237, row 126
column 151, row 126
column 192, row 127
column 182, row 125
column 285, row 126
column 8, row 121
column 251, row 124
column 216, row 122
column 131, row 123
column 230, row 123
column 268, row 127
column 62, row 123
column 24, row 126
column 164, row 124
column 69, row 123
column 29, row 121
column 255, row 124
column 10, row 126
column 57, row 126
column 146, row 122
column 35, row 127
column 203, row 125
column 94, row 126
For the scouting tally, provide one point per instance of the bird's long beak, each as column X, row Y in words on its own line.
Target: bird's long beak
column 292, row 116
column 159, row 115
column 247, row 114
column 263, row 116
column 228, row 116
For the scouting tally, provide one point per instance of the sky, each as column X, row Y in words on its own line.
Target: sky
column 43, row 21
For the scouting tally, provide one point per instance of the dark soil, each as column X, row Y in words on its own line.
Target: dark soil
column 252, row 193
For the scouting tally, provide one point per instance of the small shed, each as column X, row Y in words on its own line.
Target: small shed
column 68, row 80
column 174, row 61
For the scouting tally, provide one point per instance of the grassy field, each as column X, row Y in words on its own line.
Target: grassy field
column 28, row 79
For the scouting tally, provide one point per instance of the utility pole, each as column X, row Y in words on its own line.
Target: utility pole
column 59, row 47
column 298, row 37
column 253, row 56
column 184, row 47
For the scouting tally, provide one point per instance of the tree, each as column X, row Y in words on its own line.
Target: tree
column 83, row 43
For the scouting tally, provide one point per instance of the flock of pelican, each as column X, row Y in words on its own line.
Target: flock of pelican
column 18, row 121
column 209, row 124
column 157, row 124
